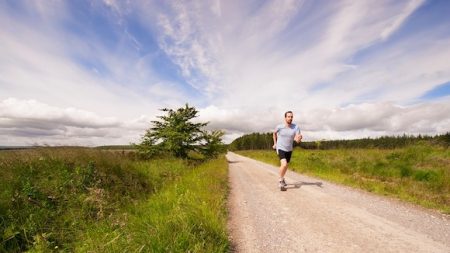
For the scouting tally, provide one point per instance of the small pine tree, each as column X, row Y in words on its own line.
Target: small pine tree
column 176, row 134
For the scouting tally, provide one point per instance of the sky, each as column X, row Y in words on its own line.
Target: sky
column 94, row 72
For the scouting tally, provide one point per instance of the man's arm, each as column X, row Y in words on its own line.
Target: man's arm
column 274, row 140
column 298, row 136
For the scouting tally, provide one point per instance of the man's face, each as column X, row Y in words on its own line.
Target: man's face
column 289, row 118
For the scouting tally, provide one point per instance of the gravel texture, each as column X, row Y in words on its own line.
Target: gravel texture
column 314, row 215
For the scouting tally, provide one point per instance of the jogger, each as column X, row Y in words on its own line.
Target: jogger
column 283, row 139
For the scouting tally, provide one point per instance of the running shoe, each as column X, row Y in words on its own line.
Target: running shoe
column 282, row 185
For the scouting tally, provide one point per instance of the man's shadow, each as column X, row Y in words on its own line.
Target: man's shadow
column 299, row 184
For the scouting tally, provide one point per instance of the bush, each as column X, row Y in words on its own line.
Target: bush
column 428, row 176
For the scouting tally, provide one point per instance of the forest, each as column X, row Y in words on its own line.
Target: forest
column 258, row 141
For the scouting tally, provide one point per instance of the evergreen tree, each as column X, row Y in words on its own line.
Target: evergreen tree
column 176, row 134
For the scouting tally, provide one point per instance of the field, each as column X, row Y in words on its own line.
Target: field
column 92, row 200
column 418, row 173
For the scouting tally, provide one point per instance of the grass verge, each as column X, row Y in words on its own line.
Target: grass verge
column 418, row 174
column 188, row 216
column 88, row 200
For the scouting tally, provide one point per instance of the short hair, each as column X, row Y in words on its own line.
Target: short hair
column 285, row 114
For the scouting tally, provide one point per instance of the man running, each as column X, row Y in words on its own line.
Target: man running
column 283, row 139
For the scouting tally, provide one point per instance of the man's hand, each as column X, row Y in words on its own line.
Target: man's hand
column 274, row 146
column 298, row 138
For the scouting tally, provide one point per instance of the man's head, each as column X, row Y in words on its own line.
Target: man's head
column 288, row 116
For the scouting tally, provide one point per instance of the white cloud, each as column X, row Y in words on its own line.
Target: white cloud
column 352, row 121
column 399, row 19
column 30, row 110
column 383, row 117
column 32, row 122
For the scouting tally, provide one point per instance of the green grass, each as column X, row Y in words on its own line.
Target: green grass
column 419, row 173
column 188, row 216
column 75, row 199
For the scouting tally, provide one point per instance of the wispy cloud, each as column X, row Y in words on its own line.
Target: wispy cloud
column 262, row 75
column 399, row 19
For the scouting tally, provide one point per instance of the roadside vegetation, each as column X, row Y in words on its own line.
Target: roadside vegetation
column 66, row 199
column 187, row 216
column 115, row 200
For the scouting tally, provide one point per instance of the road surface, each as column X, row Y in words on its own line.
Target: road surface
column 314, row 215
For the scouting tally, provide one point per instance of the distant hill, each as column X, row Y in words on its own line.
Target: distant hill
column 116, row 147
column 15, row 147
column 125, row 147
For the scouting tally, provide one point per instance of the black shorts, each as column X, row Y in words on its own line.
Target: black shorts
column 284, row 155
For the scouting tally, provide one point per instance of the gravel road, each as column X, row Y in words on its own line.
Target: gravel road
column 314, row 215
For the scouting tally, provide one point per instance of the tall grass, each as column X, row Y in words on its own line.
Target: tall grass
column 188, row 216
column 52, row 198
column 418, row 173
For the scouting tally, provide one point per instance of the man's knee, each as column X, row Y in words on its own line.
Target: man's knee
column 283, row 162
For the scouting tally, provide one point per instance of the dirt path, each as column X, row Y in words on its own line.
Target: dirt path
column 317, row 216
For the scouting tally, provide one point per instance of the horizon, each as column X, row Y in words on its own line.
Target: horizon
column 94, row 73
column 131, row 144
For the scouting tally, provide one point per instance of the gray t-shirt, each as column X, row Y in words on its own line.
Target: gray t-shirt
column 285, row 136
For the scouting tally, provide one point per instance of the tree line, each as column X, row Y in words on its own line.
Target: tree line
column 255, row 141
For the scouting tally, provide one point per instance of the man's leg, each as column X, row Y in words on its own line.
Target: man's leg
column 283, row 168
column 284, row 163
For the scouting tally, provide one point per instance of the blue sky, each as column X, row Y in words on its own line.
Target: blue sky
column 96, row 72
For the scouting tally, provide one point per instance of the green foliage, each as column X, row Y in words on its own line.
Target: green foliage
column 49, row 197
column 187, row 216
column 405, row 171
column 176, row 134
column 90, row 200
column 421, row 175
column 212, row 145
column 252, row 141
column 257, row 141
column 443, row 139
